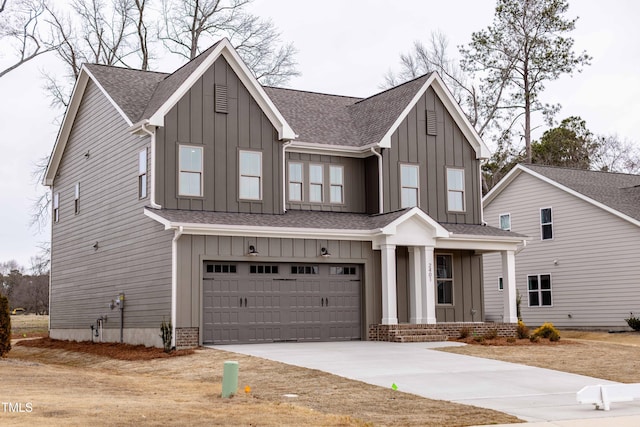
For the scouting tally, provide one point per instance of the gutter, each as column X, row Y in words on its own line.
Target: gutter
column 152, row 181
column 380, row 181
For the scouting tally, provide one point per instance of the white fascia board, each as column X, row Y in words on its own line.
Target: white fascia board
column 104, row 92
column 440, row 231
column 479, row 245
column 329, row 149
column 501, row 185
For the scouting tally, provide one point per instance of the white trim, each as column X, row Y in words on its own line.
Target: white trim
column 553, row 234
column 201, row 148
column 240, row 175
column 341, row 185
column 539, row 290
column 330, row 149
column 174, row 283
column 320, row 183
column 403, row 186
column 289, row 182
column 463, row 191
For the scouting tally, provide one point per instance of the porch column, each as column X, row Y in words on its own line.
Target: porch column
column 509, row 286
column 428, row 286
column 389, row 305
column 416, row 286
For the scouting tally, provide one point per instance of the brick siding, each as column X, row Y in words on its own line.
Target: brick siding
column 404, row 332
column 187, row 338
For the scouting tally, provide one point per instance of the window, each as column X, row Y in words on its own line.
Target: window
column 500, row 284
column 316, row 181
column 336, row 182
column 444, row 276
column 505, row 222
column 304, row 269
column 546, row 224
column 56, row 207
column 221, row 268
column 142, row 174
column 344, row 271
column 263, row 269
column 251, row 175
column 409, row 186
column 190, row 171
column 455, row 189
column 539, row 288
column 295, row 181
column 76, row 199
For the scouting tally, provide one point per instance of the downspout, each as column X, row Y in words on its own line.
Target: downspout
column 174, row 283
column 152, row 181
column 284, row 176
column 481, row 196
column 380, row 182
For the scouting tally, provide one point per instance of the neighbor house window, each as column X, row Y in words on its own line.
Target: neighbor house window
column 142, row 174
column 316, row 181
column 505, row 222
column 295, row 181
column 455, row 189
column 336, row 178
column 56, row 207
column 190, row 176
column 444, row 277
column 546, row 224
column 539, row 288
column 500, row 284
column 76, row 199
column 251, row 175
column 409, row 186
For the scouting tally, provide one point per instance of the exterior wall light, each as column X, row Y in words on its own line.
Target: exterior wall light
column 252, row 251
column 324, row 252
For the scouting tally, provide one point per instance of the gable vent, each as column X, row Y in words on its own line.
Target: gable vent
column 432, row 128
column 221, row 99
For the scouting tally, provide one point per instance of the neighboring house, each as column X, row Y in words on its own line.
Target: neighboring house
column 244, row 213
column 580, row 269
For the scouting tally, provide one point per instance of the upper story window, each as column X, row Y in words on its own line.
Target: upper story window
column 336, row 182
column 295, row 181
column 539, row 288
column 409, row 185
column 455, row 189
column 316, row 183
column 546, row 224
column 505, row 222
column 76, row 199
column 190, row 171
column 251, row 175
column 142, row 174
column 56, row 207
column 444, row 277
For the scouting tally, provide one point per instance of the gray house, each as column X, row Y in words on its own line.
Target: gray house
column 580, row 269
column 246, row 214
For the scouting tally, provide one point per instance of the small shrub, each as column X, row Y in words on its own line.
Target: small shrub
column 522, row 330
column 478, row 339
column 465, row 332
column 546, row 330
column 534, row 338
column 554, row 336
column 166, row 332
column 633, row 322
column 491, row 334
column 511, row 340
column 5, row 326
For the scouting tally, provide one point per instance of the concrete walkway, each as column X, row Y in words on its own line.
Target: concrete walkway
column 531, row 394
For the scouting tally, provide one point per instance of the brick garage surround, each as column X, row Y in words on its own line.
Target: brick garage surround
column 187, row 338
column 404, row 332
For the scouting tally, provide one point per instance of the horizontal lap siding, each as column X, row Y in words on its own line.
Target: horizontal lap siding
column 597, row 276
column 134, row 252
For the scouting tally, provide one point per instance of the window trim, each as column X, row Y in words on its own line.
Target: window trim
column 320, row 183
column 500, row 284
column 56, row 206
column 341, row 185
column 452, row 280
column 546, row 223
column 143, row 174
column 76, row 199
column 240, row 175
column 539, row 290
column 500, row 221
column 402, row 186
column 449, row 190
column 201, row 172
column 290, row 182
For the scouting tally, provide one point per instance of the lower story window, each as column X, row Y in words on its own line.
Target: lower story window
column 539, row 289
column 444, row 277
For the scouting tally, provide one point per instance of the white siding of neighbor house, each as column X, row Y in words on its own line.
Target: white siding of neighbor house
column 597, row 276
column 134, row 252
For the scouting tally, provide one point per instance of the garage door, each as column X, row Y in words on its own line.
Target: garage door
column 258, row 302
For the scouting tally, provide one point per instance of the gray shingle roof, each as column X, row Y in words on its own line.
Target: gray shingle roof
column 619, row 191
column 479, row 230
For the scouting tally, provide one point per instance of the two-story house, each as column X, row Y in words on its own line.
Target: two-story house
column 244, row 213
column 580, row 268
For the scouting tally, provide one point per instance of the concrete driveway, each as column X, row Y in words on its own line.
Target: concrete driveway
column 532, row 394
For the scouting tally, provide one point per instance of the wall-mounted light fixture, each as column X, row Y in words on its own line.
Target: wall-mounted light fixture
column 87, row 154
column 252, row 251
column 324, row 252
column 96, row 246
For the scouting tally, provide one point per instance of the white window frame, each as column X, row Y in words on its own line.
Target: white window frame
column 542, row 224
column 449, row 280
column 336, row 185
column 539, row 291
column 143, row 169
column 451, row 191
column 249, row 175
column 76, row 199
column 199, row 171
column 508, row 215
column 313, row 184
column 405, row 186
column 56, row 207
column 299, row 184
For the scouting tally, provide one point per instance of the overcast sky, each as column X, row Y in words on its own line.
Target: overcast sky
column 344, row 47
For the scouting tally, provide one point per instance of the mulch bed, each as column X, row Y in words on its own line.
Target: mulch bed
column 111, row 350
column 504, row 342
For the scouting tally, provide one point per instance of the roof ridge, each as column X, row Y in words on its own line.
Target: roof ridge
column 313, row 92
column 126, row 68
column 579, row 170
column 395, row 87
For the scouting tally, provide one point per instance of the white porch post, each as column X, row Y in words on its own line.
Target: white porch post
column 416, row 287
column 389, row 306
column 509, row 286
column 428, row 286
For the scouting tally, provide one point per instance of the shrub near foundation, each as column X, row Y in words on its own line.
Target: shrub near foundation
column 547, row 330
column 522, row 330
column 5, row 327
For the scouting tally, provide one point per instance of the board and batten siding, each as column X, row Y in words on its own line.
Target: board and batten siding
column 193, row 250
column 597, row 276
column 410, row 144
column 193, row 121
column 134, row 252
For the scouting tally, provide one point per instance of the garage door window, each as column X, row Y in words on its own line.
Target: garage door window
column 304, row 269
column 221, row 268
column 351, row 271
column 263, row 269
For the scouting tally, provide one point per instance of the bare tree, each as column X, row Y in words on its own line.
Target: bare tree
column 616, row 155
